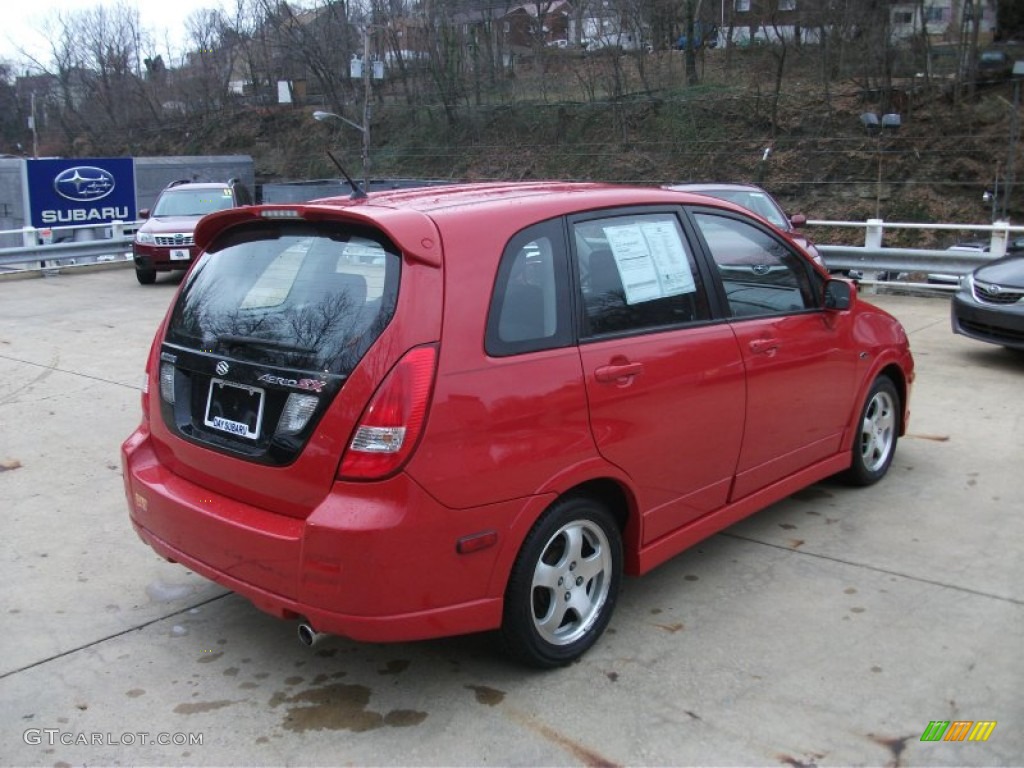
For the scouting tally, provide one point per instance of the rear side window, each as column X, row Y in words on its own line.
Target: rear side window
column 760, row 274
column 287, row 295
column 636, row 272
column 530, row 307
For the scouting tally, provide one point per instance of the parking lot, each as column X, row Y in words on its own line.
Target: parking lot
column 829, row 629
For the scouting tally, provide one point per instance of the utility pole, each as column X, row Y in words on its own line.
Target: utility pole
column 690, row 54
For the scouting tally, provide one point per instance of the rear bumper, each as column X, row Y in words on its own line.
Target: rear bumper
column 374, row 561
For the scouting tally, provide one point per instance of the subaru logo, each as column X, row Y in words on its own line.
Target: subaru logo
column 84, row 183
column 222, row 368
column 995, row 289
column 760, row 269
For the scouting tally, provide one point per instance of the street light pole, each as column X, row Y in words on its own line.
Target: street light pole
column 363, row 129
column 1018, row 75
column 366, row 110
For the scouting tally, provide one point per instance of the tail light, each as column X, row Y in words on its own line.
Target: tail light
column 390, row 426
column 145, row 395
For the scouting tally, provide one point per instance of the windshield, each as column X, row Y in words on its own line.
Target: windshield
column 758, row 202
column 289, row 295
column 193, row 202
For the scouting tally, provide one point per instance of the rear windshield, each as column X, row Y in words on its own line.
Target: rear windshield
column 289, row 295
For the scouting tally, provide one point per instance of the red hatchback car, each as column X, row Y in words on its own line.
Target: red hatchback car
column 447, row 410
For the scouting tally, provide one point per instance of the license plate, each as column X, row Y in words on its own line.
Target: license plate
column 179, row 254
column 234, row 408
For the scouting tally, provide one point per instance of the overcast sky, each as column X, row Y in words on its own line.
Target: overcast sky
column 24, row 22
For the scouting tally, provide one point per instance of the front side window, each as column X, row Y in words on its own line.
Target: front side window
column 742, row 6
column 636, row 272
column 760, row 274
column 297, row 296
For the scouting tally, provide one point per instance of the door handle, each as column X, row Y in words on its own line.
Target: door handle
column 764, row 346
column 612, row 373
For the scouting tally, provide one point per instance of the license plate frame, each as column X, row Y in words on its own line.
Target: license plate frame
column 180, row 254
column 231, row 411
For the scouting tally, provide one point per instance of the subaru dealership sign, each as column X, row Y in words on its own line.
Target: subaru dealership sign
column 81, row 191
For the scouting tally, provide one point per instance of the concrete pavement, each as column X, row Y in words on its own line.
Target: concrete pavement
column 829, row 629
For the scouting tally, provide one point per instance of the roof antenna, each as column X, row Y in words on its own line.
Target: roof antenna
column 357, row 191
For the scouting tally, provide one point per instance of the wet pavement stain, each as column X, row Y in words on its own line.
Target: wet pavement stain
column 248, row 686
column 850, row 591
column 134, row 693
column 231, row 671
column 797, row 763
column 691, row 577
column 199, row 707
column 787, row 526
column 293, row 680
column 486, row 695
column 403, row 718
column 796, row 543
column 613, row 676
column 894, row 745
column 206, row 658
column 339, row 707
column 583, row 754
column 394, row 667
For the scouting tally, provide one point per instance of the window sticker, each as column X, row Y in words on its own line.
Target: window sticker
column 651, row 260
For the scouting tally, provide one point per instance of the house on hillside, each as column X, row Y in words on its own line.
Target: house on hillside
column 536, row 23
column 743, row 22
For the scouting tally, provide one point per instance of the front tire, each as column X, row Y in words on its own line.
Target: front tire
column 874, row 444
column 145, row 276
column 564, row 584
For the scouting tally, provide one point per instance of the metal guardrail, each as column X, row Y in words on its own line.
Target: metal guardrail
column 864, row 259
column 872, row 257
column 114, row 240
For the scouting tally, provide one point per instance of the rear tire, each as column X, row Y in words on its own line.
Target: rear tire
column 564, row 584
column 874, row 443
column 145, row 276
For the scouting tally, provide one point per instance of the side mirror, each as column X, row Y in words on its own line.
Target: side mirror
column 797, row 220
column 838, row 295
column 144, row 213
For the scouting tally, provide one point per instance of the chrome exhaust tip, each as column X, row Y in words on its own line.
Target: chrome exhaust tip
column 308, row 636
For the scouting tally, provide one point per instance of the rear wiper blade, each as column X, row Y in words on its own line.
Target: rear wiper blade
column 256, row 341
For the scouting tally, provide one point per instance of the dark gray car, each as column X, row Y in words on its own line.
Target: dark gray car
column 989, row 306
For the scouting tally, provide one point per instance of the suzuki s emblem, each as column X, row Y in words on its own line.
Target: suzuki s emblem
column 222, row 368
column 84, row 183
